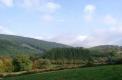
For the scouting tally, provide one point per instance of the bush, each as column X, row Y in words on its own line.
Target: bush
column 89, row 62
column 22, row 63
column 42, row 64
column 119, row 61
column 1, row 66
column 6, row 64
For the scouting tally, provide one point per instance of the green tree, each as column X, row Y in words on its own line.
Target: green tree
column 22, row 63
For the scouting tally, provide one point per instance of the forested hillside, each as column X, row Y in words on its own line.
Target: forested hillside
column 10, row 45
column 104, row 50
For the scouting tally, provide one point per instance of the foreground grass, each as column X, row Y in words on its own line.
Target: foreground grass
column 112, row 72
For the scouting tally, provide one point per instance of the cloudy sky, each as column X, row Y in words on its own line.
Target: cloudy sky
column 74, row 22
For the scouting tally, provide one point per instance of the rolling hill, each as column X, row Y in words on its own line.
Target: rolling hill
column 106, row 49
column 10, row 45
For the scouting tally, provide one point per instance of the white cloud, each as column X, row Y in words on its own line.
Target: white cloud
column 99, row 37
column 7, row 3
column 115, row 24
column 53, row 7
column 49, row 9
column 62, row 39
column 31, row 4
column 69, row 40
column 105, row 35
column 4, row 30
column 81, row 37
column 38, row 37
column 110, row 20
column 46, row 8
column 89, row 11
column 110, row 36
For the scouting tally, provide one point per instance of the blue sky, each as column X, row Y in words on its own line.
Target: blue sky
column 73, row 22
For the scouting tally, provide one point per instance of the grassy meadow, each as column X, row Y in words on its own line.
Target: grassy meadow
column 109, row 72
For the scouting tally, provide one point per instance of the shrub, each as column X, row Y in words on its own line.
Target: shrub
column 42, row 64
column 6, row 64
column 89, row 62
column 1, row 66
column 22, row 63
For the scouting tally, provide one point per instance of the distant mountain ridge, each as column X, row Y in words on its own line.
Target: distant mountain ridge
column 107, row 48
column 10, row 45
column 116, row 47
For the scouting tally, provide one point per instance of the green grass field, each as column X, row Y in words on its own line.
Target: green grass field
column 110, row 72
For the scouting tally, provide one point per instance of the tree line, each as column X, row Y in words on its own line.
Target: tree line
column 58, row 56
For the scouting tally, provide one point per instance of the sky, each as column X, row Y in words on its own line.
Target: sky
column 83, row 23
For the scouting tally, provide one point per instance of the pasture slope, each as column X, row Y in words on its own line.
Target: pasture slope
column 109, row 72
